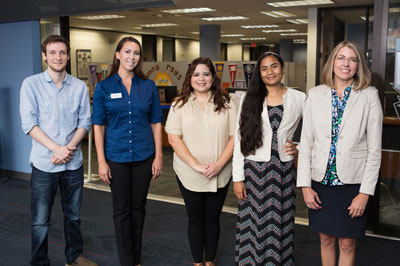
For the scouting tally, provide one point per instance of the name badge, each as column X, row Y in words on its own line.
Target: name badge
column 116, row 95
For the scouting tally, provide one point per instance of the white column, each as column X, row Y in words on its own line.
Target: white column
column 312, row 48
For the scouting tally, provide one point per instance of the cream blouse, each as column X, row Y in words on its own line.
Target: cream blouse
column 206, row 133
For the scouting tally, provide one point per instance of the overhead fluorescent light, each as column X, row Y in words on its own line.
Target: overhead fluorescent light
column 94, row 27
column 278, row 14
column 293, row 34
column 300, row 3
column 232, row 35
column 253, row 39
column 102, row 17
column 225, row 18
column 279, row 31
column 259, row 26
column 300, row 41
column 195, row 32
column 189, row 10
column 158, row 25
column 298, row 21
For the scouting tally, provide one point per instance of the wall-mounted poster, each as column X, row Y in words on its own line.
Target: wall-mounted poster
column 83, row 58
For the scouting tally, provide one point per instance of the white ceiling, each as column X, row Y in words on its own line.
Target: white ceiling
column 189, row 23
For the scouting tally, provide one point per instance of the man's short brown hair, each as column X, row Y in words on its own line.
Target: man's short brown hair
column 53, row 39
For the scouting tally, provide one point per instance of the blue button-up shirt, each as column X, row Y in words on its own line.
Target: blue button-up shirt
column 58, row 112
column 127, row 117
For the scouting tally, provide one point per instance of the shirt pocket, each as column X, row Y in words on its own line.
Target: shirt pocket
column 72, row 106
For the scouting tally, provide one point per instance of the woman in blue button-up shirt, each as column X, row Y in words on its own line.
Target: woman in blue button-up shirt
column 127, row 120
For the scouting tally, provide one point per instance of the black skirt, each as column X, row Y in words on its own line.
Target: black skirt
column 334, row 219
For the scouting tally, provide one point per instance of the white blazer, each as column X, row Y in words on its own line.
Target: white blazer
column 358, row 154
column 293, row 105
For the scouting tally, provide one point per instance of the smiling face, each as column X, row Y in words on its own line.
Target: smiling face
column 56, row 56
column 345, row 65
column 128, row 56
column 201, row 80
column 271, row 71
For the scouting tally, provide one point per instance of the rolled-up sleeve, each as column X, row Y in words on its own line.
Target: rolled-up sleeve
column 99, row 111
column 238, row 158
column 28, row 107
column 84, row 110
column 156, row 112
column 174, row 121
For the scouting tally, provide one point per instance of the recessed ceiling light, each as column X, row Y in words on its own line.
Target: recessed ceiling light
column 259, row 26
column 189, row 10
column 253, row 39
column 298, row 21
column 224, row 18
column 232, row 35
column 293, row 34
column 158, row 25
column 300, row 3
column 102, row 17
column 278, row 14
column 279, row 31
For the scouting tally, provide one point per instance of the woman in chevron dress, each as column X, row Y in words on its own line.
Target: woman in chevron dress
column 263, row 167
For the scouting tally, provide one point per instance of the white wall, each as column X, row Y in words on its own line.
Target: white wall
column 186, row 50
column 235, row 52
column 101, row 43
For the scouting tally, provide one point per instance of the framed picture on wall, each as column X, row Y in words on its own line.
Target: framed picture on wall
column 83, row 58
column 240, row 84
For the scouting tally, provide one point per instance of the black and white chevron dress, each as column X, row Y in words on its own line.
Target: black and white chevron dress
column 265, row 227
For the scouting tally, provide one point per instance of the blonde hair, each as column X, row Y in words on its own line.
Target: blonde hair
column 361, row 79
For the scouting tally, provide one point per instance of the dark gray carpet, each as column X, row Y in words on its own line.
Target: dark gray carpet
column 164, row 242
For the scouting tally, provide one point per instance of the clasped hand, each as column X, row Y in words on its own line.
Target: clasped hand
column 209, row 170
column 62, row 154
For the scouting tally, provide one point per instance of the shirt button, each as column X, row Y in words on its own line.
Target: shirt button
column 129, row 102
column 130, row 122
column 130, row 150
column 130, row 141
column 129, row 112
column 130, row 131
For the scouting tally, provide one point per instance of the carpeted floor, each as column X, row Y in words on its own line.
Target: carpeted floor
column 164, row 242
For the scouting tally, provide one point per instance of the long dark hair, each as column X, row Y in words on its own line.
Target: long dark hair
column 221, row 98
column 138, row 70
column 250, row 117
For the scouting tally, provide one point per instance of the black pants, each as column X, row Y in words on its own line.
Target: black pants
column 203, row 209
column 129, row 187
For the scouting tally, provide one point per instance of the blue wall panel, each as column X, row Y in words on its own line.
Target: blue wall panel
column 19, row 58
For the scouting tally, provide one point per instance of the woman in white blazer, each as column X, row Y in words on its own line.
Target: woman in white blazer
column 340, row 152
column 263, row 166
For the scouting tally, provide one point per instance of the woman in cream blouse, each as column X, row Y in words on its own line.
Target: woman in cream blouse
column 340, row 152
column 200, row 128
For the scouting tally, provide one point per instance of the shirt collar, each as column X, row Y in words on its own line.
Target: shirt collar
column 67, row 78
column 118, row 79
column 193, row 97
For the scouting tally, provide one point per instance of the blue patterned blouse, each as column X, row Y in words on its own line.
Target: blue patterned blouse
column 331, row 178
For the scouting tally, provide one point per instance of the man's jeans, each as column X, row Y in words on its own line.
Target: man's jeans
column 44, row 187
